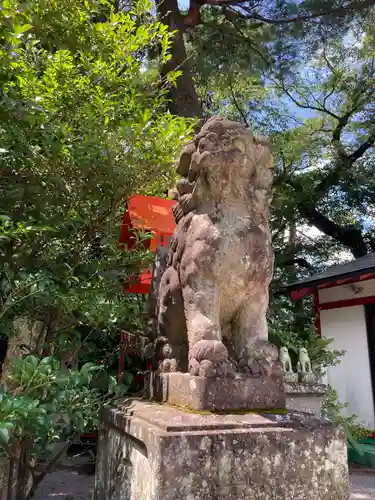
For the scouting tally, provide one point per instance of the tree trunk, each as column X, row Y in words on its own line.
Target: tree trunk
column 183, row 101
column 183, row 96
column 15, row 478
column 29, row 337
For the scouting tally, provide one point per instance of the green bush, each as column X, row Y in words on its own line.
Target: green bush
column 83, row 125
column 332, row 409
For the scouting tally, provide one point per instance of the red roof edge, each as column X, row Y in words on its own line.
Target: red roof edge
column 298, row 293
column 152, row 215
column 301, row 292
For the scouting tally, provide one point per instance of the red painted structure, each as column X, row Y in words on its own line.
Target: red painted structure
column 298, row 293
column 318, row 324
column 154, row 216
column 151, row 215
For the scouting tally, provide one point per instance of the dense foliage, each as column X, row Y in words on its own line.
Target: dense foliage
column 82, row 127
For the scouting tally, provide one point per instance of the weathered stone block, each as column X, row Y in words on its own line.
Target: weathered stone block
column 305, row 397
column 155, row 452
column 231, row 393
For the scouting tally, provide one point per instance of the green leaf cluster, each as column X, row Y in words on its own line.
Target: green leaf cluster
column 44, row 402
column 83, row 126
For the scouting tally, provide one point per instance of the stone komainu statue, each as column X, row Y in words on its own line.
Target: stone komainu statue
column 209, row 294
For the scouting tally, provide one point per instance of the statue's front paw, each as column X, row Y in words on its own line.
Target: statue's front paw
column 226, row 369
column 168, row 365
column 251, row 367
column 208, row 369
column 265, row 368
column 209, row 358
column 261, row 367
column 213, row 350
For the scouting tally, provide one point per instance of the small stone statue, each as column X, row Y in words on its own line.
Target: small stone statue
column 289, row 375
column 305, row 373
column 264, row 361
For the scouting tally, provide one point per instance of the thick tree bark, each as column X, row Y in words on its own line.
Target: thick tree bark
column 183, row 97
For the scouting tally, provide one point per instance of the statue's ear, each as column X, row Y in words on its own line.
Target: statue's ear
column 240, row 144
column 185, row 159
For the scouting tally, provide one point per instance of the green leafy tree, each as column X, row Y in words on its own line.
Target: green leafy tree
column 46, row 404
column 219, row 42
column 83, row 125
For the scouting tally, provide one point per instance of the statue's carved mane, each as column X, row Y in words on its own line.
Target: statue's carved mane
column 219, row 139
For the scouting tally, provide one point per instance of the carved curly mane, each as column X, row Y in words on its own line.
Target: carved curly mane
column 213, row 147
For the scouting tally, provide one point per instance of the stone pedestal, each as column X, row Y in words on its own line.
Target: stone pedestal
column 305, row 397
column 149, row 451
column 201, row 393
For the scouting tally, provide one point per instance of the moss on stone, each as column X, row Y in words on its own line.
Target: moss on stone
column 243, row 411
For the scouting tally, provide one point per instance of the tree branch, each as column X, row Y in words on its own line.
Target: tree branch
column 321, row 109
column 344, row 161
column 237, row 106
column 350, row 236
column 300, row 261
column 356, row 5
column 228, row 15
column 328, row 62
column 362, row 149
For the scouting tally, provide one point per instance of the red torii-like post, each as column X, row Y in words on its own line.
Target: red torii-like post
column 150, row 214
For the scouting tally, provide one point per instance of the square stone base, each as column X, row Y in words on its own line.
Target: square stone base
column 201, row 393
column 149, row 451
column 305, row 397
